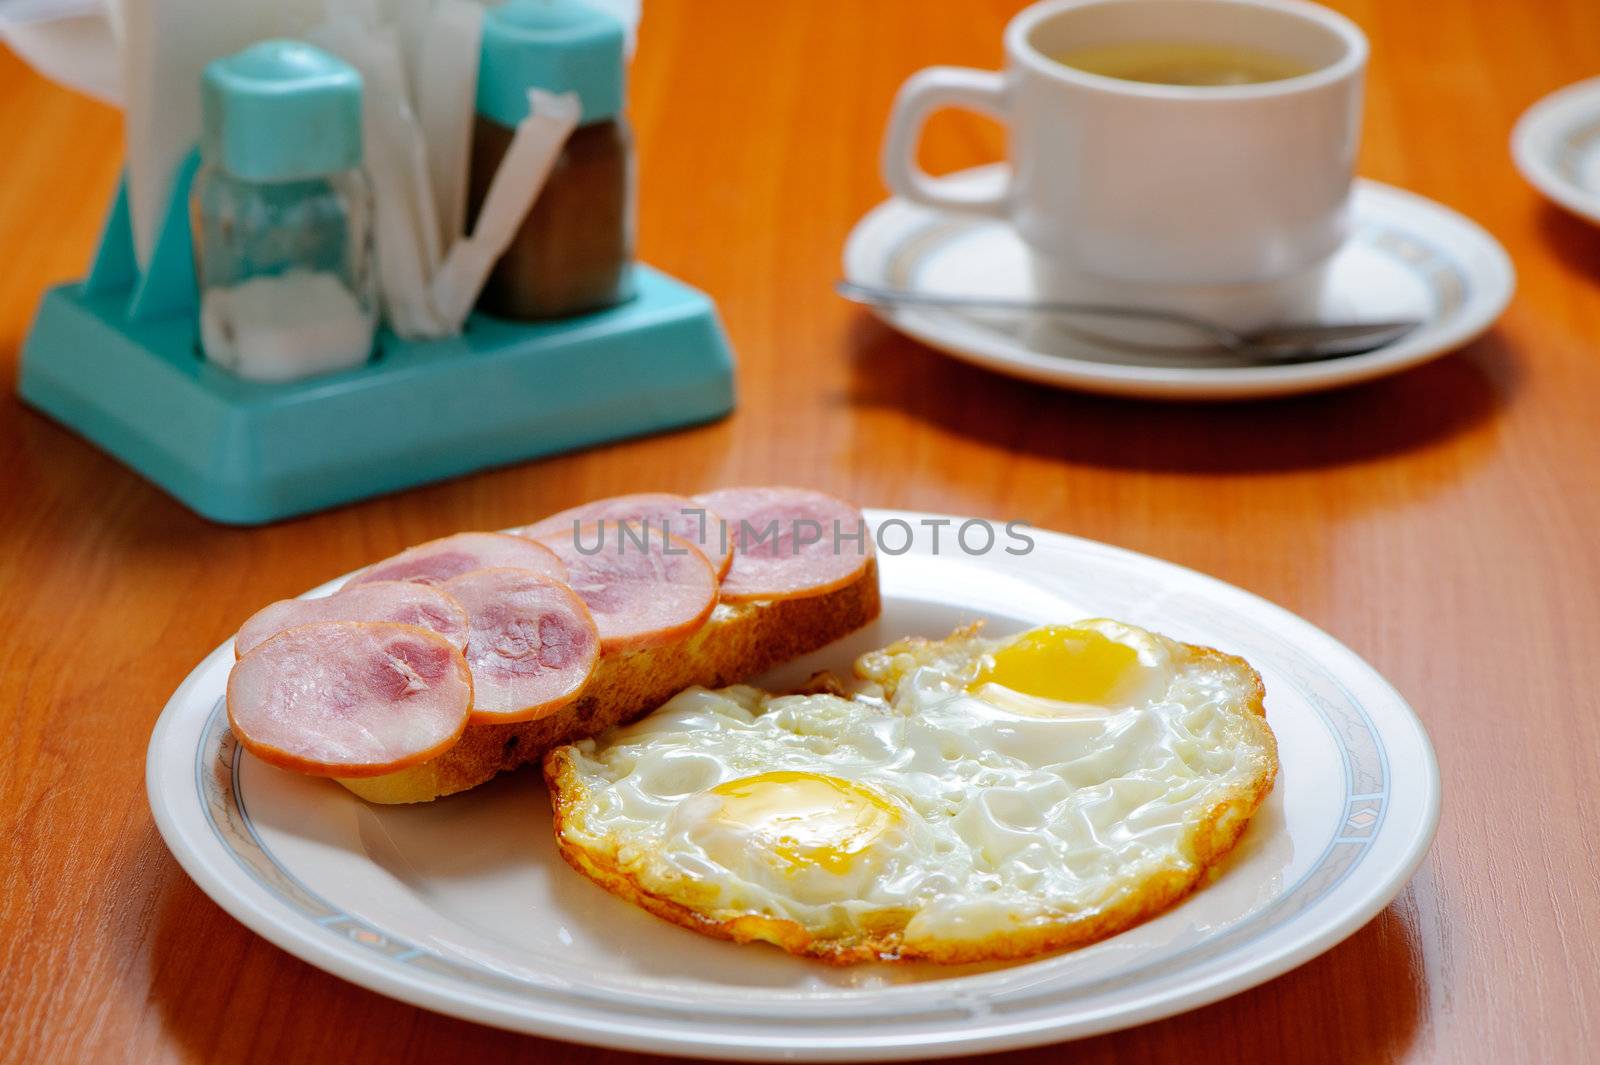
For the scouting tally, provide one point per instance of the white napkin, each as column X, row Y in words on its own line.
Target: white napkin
column 73, row 42
column 444, row 85
column 396, row 158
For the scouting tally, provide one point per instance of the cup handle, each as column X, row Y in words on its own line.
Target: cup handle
column 923, row 93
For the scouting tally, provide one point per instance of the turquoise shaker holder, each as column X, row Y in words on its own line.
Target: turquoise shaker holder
column 116, row 358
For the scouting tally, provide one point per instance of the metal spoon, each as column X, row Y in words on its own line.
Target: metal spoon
column 1275, row 345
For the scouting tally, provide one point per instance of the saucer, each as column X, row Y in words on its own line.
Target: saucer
column 1407, row 257
column 1556, row 145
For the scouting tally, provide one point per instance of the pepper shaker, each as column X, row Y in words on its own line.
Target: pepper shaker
column 574, row 250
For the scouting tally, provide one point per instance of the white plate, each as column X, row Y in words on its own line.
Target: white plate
column 1556, row 145
column 464, row 907
column 1408, row 257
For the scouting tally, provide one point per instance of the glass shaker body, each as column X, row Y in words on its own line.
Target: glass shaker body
column 288, row 285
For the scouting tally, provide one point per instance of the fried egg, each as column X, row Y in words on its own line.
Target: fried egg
column 982, row 799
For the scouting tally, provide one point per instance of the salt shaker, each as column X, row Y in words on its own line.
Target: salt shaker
column 282, row 215
column 574, row 250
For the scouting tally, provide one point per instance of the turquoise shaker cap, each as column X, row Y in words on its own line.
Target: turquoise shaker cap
column 280, row 111
column 554, row 45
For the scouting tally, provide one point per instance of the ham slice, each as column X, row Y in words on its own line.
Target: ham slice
column 401, row 601
column 643, row 586
column 350, row 698
column 531, row 643
column 678, row 515
column 789, row 542
column 439, row 560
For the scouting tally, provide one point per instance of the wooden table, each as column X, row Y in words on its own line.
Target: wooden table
column 1443, row 523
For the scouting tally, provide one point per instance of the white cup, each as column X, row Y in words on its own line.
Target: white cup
column 1221, row 201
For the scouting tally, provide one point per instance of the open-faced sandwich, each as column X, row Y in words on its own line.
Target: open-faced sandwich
column 429, row 672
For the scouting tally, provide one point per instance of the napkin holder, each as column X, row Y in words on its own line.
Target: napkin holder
column 116, row 358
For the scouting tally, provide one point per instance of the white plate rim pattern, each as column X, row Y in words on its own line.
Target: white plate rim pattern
column 1486, row 287
column 203, row 818
column 1550, row 134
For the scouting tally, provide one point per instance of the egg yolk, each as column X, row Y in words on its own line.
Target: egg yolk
column 806, row 819
column 1068, row 663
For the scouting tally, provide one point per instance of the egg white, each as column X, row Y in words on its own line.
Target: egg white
column 1017, row 824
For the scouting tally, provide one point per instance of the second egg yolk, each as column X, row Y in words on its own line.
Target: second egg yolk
column 1068, row 663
